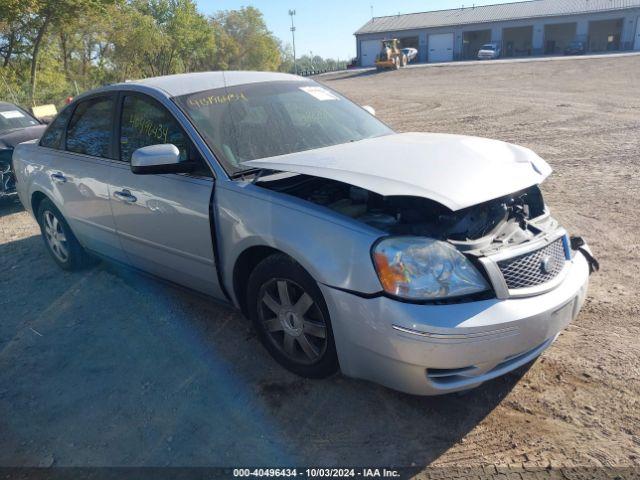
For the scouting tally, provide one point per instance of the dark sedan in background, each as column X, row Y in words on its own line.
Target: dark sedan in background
column 16, row 126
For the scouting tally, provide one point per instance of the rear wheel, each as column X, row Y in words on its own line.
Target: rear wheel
column 291, row 316
column 60, row 240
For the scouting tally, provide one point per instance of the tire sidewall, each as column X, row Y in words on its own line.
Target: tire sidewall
column 76, row 253
column 280, row 266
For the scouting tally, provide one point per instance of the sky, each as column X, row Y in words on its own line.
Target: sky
column 325, row 27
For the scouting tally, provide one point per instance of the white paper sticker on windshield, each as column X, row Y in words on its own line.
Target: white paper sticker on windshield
column 319, row 93
column 12, row 114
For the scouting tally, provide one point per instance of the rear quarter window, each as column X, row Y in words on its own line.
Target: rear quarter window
column 54, row 134
column 90, row 129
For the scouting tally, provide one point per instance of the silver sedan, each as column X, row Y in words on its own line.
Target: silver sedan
column 426, row 262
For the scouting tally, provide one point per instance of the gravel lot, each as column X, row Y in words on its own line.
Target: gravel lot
column 106, row 367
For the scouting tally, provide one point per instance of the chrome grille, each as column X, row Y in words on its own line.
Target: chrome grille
column 534, row 268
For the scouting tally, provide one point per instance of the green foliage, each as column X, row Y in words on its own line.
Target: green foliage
column 51, row 49
column 245, row 42
column 307, row 64
column 160, row 37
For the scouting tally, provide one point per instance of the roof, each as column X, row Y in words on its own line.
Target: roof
column 185, row 83
column 492, row 13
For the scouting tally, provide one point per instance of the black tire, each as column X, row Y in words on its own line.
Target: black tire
column 76, row 257
column 267, row 278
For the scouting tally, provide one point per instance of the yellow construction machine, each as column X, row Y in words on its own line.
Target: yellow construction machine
column 391, row 56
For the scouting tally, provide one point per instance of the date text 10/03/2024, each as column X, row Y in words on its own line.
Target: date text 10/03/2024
column 317, row 472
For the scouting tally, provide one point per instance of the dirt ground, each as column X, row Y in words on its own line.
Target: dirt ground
column 106, row 367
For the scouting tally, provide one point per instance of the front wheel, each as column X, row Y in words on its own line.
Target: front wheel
column 291, row 317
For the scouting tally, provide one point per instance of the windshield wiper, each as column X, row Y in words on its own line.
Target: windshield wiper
column 244, row 173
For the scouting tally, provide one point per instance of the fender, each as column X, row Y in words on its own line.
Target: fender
column 334, row 250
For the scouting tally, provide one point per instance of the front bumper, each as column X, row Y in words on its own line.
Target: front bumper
column 437, row 349
column 385, row 64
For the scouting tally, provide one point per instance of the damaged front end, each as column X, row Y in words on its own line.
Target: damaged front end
column 512, row 242
column 7, row 177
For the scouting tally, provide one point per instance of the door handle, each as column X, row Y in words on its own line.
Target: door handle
column 58, row 177
column 125, row 196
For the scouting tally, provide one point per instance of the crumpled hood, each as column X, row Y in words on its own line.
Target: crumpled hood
column 454, row 170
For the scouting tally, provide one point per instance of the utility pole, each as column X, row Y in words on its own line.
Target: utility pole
column 293, row 36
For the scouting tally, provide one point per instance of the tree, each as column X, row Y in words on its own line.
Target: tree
column 46, row 14
column 159, row 37
column 65, row 46
column 245, row 42
column 286, row 59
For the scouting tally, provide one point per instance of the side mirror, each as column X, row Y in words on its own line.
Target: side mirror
column 370, row 109
column 163, row 158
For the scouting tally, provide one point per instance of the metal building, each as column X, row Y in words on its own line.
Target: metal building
column 535, row 27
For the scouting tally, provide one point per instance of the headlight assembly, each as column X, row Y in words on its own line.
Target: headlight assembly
column 418, row 268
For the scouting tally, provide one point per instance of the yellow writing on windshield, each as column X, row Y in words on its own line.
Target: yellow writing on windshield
column 216, row 100
column 150, row 128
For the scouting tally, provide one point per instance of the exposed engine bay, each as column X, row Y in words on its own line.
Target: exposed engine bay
column 508, row 220
column 7, row 178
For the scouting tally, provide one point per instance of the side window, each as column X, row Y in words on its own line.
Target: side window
column 89, row 130
column 146, row 122
column 52, row 137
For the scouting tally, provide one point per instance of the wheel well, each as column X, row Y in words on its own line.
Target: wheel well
column 36, row 200
column 247, row 261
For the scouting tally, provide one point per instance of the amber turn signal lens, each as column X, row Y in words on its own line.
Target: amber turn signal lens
column 390, row 276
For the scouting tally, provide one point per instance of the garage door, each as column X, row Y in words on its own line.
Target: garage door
column 441, row 47
column 369, row 49
column 637, row 45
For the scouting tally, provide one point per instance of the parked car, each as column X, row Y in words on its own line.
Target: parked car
column 426, row 262
column 16, row 125
column 410, row 53
column 575, row 48
column 489, row 51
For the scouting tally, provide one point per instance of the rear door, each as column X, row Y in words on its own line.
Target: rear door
column 163, row 219
column 78, row 152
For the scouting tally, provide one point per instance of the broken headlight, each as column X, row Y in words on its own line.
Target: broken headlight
column 419, row 268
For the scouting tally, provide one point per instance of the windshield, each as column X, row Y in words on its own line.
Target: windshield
column 488, row 47
column 14, row 117
column 259, row 120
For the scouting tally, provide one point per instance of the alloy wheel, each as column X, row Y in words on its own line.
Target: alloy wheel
column 292, row 321
column 55, row 236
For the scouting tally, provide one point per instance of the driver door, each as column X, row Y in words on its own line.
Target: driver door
column 162, row 220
